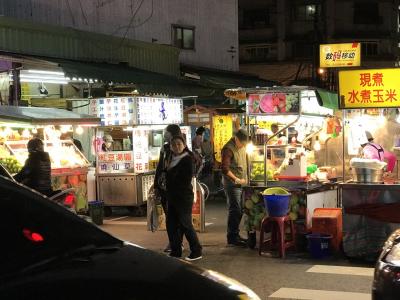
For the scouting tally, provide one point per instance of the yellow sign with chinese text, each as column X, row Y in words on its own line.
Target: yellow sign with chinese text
column 372, row 88
column 340, row 55
column 222, row 126
column 265, row 124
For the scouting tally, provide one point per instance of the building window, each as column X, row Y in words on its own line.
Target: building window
column 259, row 53
column 255, row 18
column 183, row 37
column 309, row 12
column 369, row 49
column 366, row 13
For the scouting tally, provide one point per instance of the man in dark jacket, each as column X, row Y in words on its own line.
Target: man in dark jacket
column 234, row 169
column 36, row 173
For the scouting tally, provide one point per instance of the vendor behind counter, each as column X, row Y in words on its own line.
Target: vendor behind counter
column 375, row 151
column 110, row 145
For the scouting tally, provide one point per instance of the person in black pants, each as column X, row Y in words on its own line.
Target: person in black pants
column 180, row 200
column 160, row 176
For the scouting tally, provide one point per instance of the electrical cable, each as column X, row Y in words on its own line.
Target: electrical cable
column 71, row 13
column 83, row 13
column 130, row 23
column 83, row 105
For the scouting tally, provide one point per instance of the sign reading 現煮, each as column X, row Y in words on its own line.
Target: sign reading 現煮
column 371, row 88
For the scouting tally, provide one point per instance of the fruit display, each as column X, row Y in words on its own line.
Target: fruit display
column 63, row 154
column 292, row 102
column 253, row 209
column 78, row 183
column 254, row 103
column 297, row 208
column 257, row 172
column 11, row 164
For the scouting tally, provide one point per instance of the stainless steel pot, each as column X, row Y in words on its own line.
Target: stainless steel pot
column 363, row 175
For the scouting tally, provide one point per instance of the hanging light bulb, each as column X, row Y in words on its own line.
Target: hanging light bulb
column 317, row 144
column 65, row 128
column 26, row 134
column 249, row 148
column 79, row 130
column 34, row 130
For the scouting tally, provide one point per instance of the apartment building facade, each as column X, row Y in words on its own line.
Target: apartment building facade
column 279, row 39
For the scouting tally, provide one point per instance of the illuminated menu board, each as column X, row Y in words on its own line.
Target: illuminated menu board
column 114, row 111
column 159, row 111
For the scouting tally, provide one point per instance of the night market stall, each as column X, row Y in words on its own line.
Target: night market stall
column 291, row 133
column 370, row 193
column 56, row 127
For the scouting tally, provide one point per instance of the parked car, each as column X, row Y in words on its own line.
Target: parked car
column 48, row 252
column 386, row 285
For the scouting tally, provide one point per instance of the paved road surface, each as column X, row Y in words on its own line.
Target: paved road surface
column 296, row 277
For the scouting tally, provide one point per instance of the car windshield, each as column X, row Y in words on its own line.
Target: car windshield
column 34, row 229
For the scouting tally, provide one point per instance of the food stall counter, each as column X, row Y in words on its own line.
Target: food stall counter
column 370, row 214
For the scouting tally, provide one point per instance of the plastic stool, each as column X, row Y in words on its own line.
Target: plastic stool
column 277, row 227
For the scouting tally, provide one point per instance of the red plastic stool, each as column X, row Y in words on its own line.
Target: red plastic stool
column 277, row 227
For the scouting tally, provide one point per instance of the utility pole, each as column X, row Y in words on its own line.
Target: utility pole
column 15, row 89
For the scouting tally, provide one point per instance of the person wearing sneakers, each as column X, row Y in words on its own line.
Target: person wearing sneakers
column 180, row 199
column 234, row 170
column 161, row 171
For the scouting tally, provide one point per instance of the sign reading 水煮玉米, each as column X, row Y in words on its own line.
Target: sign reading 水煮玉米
column 340, row 55
column 372, row 88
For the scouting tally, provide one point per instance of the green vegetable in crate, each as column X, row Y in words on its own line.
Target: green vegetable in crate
column 293, row 216
column 295, row 208
column 294, row 199
column 249, row 204
column 255, row 198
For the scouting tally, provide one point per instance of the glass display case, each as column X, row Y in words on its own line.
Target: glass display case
column 275, row 157
column 63, row 153
column 283, row 161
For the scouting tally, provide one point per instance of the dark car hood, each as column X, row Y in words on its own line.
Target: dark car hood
column 127, row 273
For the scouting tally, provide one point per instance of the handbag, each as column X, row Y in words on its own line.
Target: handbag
column 162, row 180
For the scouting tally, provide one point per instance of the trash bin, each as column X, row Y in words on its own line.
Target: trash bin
column 276, row 201
column 96, row 212
column 318, row 244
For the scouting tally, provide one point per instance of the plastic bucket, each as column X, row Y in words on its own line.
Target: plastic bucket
column 276, row 201
column 319, row 244
column 96, row 212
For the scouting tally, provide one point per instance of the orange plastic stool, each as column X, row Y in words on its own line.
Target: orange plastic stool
column 277, row 227
column 329, row 221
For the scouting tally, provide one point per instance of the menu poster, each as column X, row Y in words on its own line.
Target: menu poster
column 115, row 161
column 140, row 144
column 273, row 103
column 222, row 126
column 159, row 111
column 113, row 111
